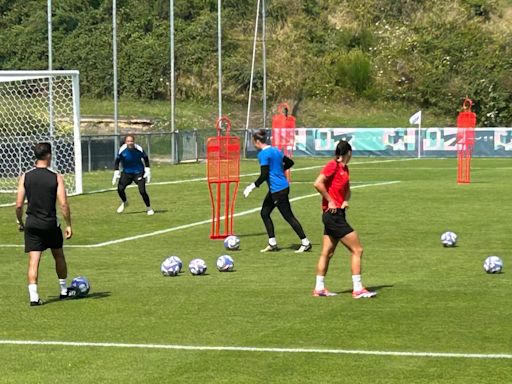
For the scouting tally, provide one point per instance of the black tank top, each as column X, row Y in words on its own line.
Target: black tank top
column 41, row 192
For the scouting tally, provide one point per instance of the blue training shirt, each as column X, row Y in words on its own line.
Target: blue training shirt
column 273, row 157
column 132, row 160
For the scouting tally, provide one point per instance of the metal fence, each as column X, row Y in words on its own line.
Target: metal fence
column 98, row 151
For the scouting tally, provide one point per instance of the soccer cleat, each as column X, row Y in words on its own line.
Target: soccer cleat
column 36, row 303
column 122, row 207
column 150, row 212
column 71, row 292
column 323, row 292
column 270, row 248
column 304, row 248
column 363, row 293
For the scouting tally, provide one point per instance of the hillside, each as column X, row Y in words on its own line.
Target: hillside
column 426, row 54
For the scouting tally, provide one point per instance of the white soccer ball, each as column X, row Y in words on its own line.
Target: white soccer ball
column 81, row 285
column 493, row 264
column 225, row 263
column 197, row 267
column 232, row 243
column 170, row 267
column 176, row 259
column 449, row 239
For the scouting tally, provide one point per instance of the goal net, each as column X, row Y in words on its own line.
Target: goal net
column 38, row 106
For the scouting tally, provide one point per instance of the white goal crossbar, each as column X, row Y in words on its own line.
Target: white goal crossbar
column 38, row 106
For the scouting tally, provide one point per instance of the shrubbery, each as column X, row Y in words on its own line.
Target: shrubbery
column 428, row 53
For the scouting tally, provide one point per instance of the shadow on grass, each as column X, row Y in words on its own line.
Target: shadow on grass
column 375, row 288
column 139, row 212
column 90, row 296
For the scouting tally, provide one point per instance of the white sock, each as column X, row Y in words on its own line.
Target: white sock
column 63, row 286
column 356, row 282
column 32, row 291
column 320, row 283
column 272, row 241
column 305, row 241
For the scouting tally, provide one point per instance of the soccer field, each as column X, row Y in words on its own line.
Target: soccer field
column 437, row 318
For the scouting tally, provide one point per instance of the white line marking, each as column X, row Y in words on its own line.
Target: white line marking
column 186, row 226
column 260, row 349
column 244, row 175
column 204, row 178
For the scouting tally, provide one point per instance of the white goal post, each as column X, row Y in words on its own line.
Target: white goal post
column 38, row 106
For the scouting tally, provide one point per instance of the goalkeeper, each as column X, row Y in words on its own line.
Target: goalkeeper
column 136, row 169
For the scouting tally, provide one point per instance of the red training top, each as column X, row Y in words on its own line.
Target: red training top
column 337, row 183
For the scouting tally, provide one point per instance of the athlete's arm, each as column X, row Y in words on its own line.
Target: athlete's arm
column 20, row 199
column 146, row 159
column 287, row 163
column 322, row 189
column 264, row 174
column 147, row 170
column 64, row 206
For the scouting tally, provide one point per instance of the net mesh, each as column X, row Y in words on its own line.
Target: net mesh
column 35, row 109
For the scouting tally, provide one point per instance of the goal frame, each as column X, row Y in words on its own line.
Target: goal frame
column 14, row 75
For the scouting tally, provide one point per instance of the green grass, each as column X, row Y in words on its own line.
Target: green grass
column 312, row 113
column 430, row 298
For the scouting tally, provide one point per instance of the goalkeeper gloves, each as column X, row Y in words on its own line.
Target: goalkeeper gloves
column 117, row 176
column 147, row 174
column 249, row 189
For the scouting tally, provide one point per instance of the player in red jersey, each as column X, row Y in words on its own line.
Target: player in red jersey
column 333, row 184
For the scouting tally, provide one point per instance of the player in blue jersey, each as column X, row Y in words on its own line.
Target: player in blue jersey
column 136, row 169
column 273, row 164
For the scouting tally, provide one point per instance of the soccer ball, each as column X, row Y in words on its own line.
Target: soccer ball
column 170, row 267
column 449, row 239
column 197, row 267
column 232, row 243
column 493, row 264
column 81, row 285
column 176, row 259
column 225, row 263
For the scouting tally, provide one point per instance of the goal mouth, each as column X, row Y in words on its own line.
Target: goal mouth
column 37, row 106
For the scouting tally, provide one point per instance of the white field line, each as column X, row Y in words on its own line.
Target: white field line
column 258, row 349
column 244, row 175
column 186, row 226
column 204, row 178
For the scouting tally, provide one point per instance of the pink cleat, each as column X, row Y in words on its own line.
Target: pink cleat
column 323, row 292
column 363, row 293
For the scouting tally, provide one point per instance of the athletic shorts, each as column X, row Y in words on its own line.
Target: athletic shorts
column 39, row 239
column 128, row 178
column 335, row 224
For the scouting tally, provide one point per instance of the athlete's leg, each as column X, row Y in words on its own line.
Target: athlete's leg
column 33, row 266
column 266, row 209
column 352, row 243
column 328, row 247
column 141, row 183
column 124, row 181
column 32, row 275
column 283, row 204
column 61, row 266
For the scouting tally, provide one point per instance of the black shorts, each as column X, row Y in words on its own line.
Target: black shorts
column 128, row 178
column 335, row 224
column 39, row 238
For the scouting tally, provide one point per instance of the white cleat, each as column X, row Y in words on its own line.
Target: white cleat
column 150, row 212
column 122, row 207
column 304, row 248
